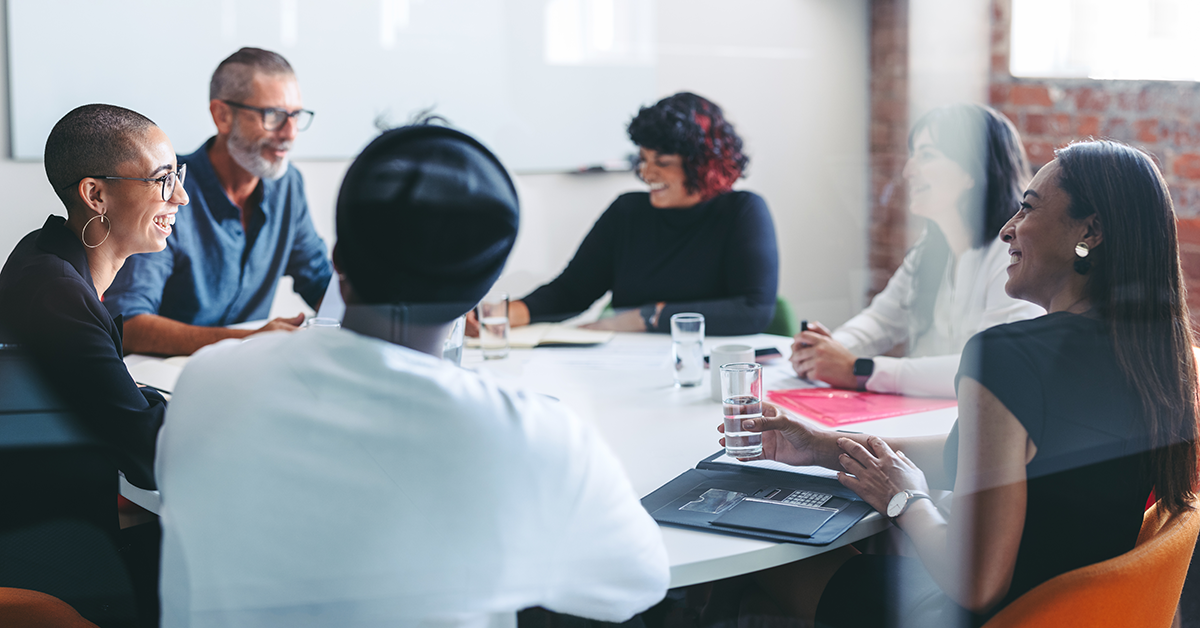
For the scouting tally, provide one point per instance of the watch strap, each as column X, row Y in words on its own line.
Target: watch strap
column 649, row 314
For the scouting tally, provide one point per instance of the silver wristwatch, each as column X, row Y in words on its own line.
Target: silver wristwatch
column 902, row 500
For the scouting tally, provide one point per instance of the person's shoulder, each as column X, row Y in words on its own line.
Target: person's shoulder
column 197, row 161
column 1031, row 336
column 28, row 258
column 743, row 199
column 1016, row 330
column 630, row 201
column 35, row 273
column 291, row 178
column 630, row 206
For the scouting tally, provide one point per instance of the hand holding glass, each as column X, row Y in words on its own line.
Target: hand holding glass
column 741, row 393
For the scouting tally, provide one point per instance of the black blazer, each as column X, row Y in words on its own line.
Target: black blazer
column 48, row 304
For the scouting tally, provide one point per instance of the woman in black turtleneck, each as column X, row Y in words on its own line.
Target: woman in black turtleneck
column 691, row 244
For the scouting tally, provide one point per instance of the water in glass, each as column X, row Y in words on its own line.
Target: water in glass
column 740, row 443
column 689, row 361
column 493, row 337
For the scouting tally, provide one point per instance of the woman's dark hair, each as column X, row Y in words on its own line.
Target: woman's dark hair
column 987, row 146
column 1136, row 285
column 695, row 129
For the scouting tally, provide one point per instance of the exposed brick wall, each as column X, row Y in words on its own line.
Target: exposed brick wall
column 888, row 238
column 1160, row 117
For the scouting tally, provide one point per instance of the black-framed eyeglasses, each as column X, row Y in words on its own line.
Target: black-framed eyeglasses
column 167, row 180
column 273, row 119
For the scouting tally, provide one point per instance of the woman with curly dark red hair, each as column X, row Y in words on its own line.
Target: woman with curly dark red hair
column 690, row 244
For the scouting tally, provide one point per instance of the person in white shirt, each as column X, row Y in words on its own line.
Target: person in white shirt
column 965, row 173
column 350, row 477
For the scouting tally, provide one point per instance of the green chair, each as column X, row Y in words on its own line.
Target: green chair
column 784, row 323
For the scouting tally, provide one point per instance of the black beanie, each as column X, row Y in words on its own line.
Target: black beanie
column 426, row 216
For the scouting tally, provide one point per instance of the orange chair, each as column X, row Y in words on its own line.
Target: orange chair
column 1138, row 588
column 22, row 608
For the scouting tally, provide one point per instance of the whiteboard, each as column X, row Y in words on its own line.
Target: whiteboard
column 548, row 85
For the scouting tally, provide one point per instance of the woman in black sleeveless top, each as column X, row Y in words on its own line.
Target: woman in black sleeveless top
column 1066, row 422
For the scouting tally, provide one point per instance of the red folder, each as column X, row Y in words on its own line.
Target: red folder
column 835, row 407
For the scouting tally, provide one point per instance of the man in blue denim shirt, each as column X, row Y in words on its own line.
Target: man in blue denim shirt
column 247, row 223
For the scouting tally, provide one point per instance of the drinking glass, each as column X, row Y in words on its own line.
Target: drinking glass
column 687, row 347
column 741, row 392
column 452, row 347
column 326, row 323
column 492, row 313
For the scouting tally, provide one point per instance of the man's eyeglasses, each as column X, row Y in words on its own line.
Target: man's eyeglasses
column 167, row 180
column 273, row 119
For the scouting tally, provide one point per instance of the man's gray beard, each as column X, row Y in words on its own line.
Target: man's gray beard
column 249, row 156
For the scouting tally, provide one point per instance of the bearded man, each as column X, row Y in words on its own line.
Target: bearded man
column 247, row 223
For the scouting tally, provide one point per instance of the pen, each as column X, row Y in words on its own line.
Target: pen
column 165, row 392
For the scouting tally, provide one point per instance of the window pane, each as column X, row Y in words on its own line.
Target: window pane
column 1106, row 39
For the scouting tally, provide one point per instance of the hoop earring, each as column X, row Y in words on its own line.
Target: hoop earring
column 1082, row 263
column 83, row 232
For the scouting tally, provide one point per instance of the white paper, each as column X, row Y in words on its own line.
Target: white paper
column 161, row 374
column 820, row 472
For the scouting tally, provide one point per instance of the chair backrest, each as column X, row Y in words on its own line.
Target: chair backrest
column 22, row 608
column 784, row 322
column 59, row 527
column 1138, row 588
column 53, row 466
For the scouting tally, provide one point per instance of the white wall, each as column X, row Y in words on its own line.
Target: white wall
column 791, row 74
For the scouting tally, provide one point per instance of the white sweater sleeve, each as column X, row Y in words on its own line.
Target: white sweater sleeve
column 885, row 322
column 612, row 562
column 933, row 376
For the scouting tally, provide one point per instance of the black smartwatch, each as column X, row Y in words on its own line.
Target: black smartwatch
column 650, row 316
column 863, row 369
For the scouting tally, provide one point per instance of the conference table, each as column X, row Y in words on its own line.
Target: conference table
column 625, row 389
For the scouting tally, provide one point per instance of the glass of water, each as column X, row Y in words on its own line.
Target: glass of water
column 452, row 347
column 741, row 395
column 687, row 347
column 492, row 313
column 327, row 323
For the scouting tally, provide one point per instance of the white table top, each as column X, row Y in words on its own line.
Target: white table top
column 658, row 431
column 625, row 389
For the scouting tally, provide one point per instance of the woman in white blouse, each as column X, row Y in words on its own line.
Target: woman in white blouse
column 965, row 173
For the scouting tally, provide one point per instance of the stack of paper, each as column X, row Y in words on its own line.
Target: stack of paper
column 545, row 334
